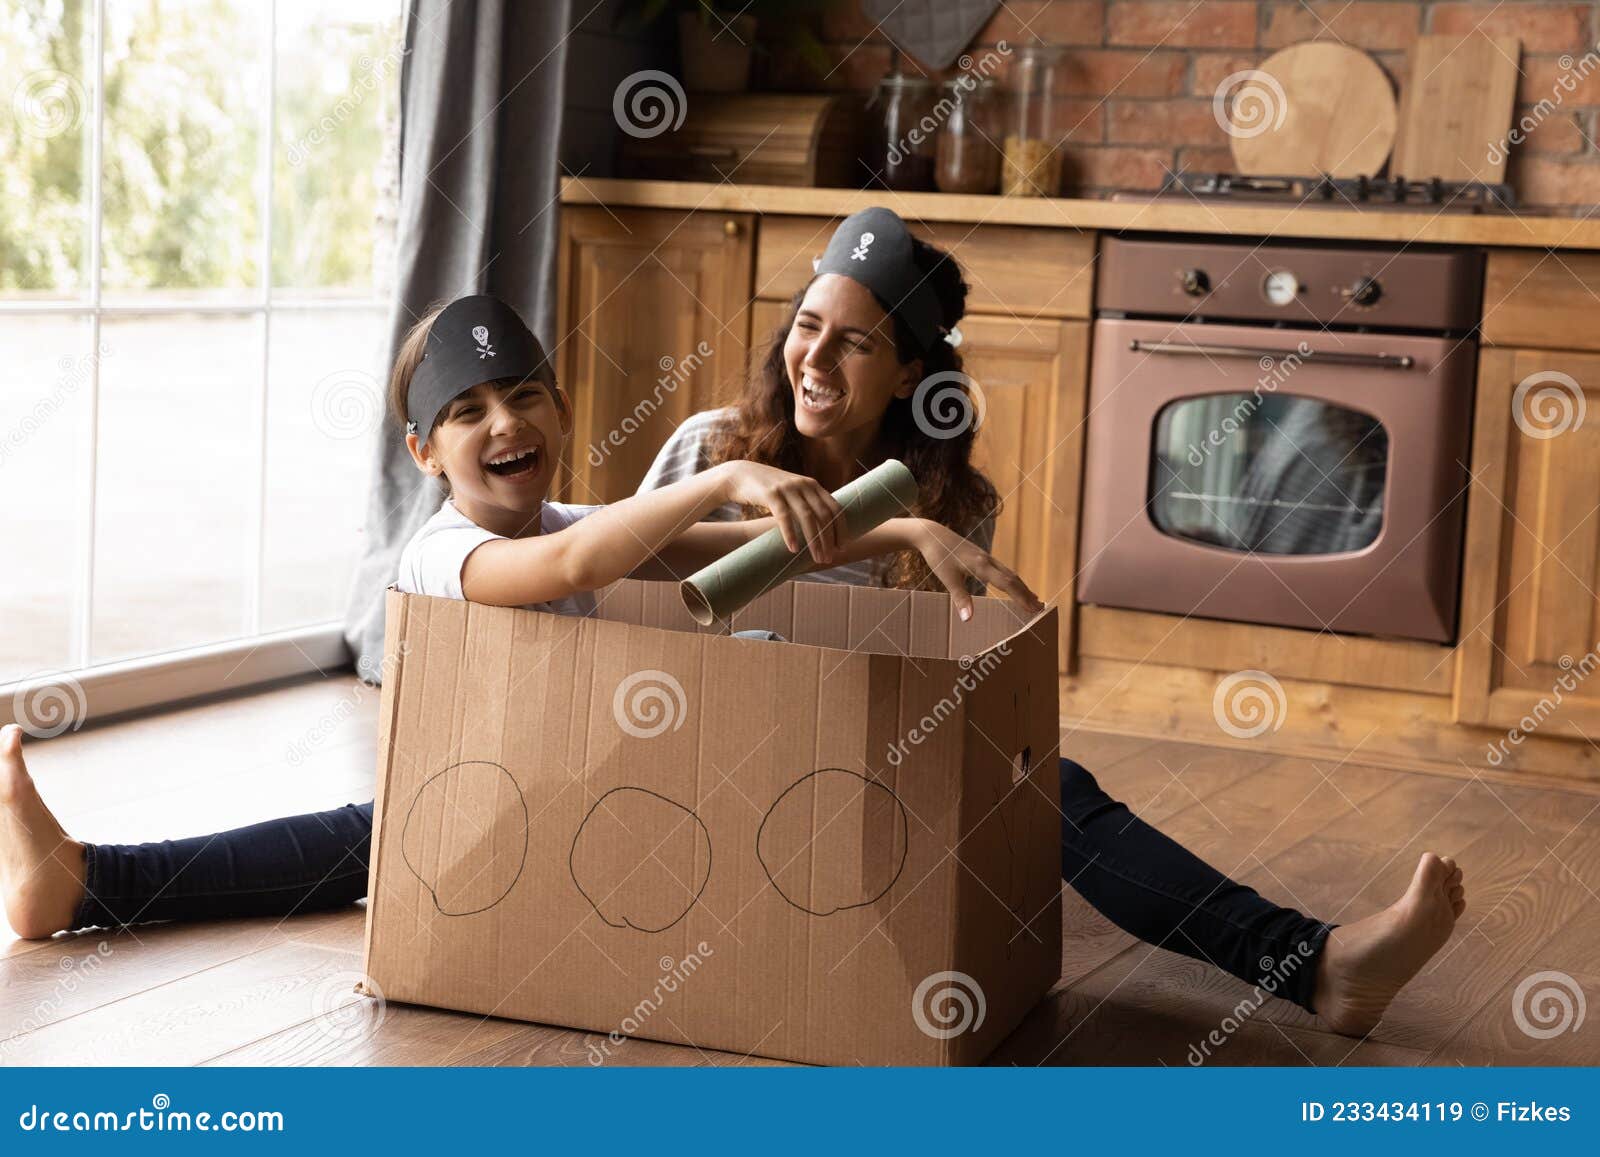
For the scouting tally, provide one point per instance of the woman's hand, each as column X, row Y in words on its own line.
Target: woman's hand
column 805, row 512
column 954, row 559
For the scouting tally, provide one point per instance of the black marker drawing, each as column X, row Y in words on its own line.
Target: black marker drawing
column 466, row 884
column 800, row 821
column 658, row 830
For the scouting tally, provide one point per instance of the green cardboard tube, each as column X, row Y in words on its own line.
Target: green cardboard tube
column 741, row 576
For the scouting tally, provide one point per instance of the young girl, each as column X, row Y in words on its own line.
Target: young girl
column 486, row 418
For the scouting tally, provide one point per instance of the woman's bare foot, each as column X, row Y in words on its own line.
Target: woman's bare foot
column 41, row 867
column 1364, row 964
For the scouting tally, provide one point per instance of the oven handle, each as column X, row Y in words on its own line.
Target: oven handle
column 1392, row 361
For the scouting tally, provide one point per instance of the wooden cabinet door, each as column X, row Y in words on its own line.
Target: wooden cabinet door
column 1032, row 377
column 654, row 323
column 1530, row 617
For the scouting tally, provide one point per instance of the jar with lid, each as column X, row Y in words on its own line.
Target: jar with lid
column 968, row 154
column 905, row 126
column 1031, row 166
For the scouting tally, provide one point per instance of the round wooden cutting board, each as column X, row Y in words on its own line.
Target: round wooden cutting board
column 1317, row 107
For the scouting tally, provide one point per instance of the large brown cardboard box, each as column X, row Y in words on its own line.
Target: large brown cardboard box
column 844, row 848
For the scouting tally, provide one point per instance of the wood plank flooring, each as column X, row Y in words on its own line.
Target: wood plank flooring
column 1337, row 840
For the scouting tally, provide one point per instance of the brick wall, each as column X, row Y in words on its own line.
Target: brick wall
column 1141, row 75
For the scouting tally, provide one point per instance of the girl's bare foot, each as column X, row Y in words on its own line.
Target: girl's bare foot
column 41, row 867
column 1364, row 964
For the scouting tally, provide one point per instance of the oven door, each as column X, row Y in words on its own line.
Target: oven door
column 1294, row 478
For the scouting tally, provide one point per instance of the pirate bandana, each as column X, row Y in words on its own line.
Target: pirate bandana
column 475, row 340
column 874, row 248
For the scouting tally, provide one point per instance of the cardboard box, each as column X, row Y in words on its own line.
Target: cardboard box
column 841, row 849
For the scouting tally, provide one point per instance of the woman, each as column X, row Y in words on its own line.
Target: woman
column 836, row 394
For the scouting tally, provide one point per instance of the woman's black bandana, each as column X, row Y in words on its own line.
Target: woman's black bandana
column 874, row 248
column 475, row 340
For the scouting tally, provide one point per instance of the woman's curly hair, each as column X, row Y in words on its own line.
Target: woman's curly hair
column 952, row 491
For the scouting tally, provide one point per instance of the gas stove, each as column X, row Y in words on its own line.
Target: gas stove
column 1337, row 192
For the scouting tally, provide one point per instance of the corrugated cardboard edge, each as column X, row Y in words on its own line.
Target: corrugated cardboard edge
column 397, row 609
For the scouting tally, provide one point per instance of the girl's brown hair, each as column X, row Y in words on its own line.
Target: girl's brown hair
column 953, row 493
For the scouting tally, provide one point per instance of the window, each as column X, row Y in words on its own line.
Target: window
column 1270, row 475
column 197, row 207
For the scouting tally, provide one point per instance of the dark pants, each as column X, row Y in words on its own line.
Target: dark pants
column 1141, row 880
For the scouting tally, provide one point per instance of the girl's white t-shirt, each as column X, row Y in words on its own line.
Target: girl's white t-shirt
column 431, row 562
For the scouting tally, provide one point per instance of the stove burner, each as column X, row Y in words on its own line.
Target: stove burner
column 1345, row 192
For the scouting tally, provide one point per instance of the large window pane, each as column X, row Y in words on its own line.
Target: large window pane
column 44, row 401
column 186, row 93
column 1271, row 475
column 176, row 494
column 325, row 402
column 44, row 189
column 335, row 172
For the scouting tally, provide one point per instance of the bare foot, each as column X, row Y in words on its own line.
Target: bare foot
column 1366, row 963
column 41, row 867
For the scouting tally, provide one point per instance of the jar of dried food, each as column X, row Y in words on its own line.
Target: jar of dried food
column 1031, row 165
column 968, row 156
column 905, row 131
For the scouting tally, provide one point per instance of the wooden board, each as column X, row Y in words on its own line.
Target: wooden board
column 1457, row 108
column 1320, row 107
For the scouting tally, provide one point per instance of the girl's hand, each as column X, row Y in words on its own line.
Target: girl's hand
column 805, row 512
column 953, row 559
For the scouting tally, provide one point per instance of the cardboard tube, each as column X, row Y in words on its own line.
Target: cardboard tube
column 743, row 575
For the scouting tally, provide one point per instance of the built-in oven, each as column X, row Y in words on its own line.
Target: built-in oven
column 1279, row 433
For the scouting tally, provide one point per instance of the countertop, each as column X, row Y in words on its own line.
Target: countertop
column 1167, row 215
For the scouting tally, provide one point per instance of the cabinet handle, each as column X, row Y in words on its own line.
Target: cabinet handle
column 730, row 228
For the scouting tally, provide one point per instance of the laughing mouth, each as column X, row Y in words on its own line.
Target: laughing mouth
column 514, row 463
column 816, row 396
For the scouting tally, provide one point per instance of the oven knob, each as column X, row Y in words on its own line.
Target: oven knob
column 1195, row 282
column 1364, row 291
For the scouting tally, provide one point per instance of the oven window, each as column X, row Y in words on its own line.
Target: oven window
column 1269, row 475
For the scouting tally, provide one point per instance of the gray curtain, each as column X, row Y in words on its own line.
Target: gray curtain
column 481, row 97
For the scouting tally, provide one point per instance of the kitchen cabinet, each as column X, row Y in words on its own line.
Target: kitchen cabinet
column 1529, row 621
column 654, row 325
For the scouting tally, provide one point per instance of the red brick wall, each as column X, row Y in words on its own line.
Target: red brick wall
column 1141, row 75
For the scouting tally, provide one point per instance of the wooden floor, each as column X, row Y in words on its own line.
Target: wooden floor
column 1337, row 841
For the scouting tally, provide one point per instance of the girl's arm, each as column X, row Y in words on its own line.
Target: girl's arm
column 614, row 541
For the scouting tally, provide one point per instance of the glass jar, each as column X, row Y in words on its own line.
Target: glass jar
column 1031, row 166
column 968, row 154
column 905, row 132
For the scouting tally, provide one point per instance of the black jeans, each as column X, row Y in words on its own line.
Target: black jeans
column 1137, row 877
